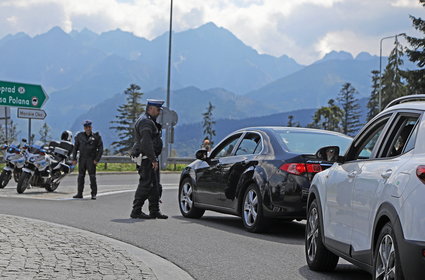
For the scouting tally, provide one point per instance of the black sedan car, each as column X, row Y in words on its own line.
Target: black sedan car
column 257, row 173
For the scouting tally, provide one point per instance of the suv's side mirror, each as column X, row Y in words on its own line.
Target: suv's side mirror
column 329, row 153
column 201, row 155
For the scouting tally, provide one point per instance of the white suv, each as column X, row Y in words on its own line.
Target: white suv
column 369, row 206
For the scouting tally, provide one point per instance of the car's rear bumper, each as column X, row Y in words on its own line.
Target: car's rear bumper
column 412, row 258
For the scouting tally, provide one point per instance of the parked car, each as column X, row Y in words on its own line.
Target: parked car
column 256, row 173
column 369, row 206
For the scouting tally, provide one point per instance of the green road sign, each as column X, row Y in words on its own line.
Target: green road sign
column 22, row 95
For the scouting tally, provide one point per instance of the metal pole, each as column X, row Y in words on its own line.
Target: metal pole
column 5, row 118
column 380, row 66
column 29, row 131
column 167, row 129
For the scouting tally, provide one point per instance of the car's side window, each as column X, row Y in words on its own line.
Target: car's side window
column 364, row 146
column 251, row 144
column 225, row 149
column 402, row 136
column 366, row 151
column 412, row 139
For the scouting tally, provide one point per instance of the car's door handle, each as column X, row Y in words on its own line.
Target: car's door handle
column 387, row 174
column 352, row 174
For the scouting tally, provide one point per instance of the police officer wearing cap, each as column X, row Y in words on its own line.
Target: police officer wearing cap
column 148, row 144
column 90, row 145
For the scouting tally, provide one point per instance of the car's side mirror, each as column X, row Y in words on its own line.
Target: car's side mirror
column 329, row 153
column 201, row 155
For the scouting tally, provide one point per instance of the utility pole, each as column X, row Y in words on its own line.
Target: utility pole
column 166, row 150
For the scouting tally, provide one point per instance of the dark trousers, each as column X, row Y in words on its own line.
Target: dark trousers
column 83, row 165
column 148, row 188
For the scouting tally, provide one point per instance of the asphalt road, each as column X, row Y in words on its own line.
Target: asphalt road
column 213, row 247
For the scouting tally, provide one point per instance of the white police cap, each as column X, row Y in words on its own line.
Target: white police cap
column 155, row 102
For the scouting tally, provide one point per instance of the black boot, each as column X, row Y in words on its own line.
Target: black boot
column 139, row 215
column 158, row 215
column 78, row 195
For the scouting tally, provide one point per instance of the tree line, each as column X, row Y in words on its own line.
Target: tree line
column 343, row 114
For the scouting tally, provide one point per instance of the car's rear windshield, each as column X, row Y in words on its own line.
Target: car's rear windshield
column 309, row 142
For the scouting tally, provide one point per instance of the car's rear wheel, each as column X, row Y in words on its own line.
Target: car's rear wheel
column 386, row 256
column 252, row 210
column 318, row 257
column 186, row 203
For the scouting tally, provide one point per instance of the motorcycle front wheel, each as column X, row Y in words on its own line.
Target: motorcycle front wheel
column 23, row 183
column 52, row 187
column 5, row 178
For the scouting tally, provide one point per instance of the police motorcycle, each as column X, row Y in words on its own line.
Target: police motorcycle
column 61, row 165
column 14, row 156
column 46, row 168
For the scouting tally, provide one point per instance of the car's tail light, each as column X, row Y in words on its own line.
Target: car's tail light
column 301, row 168
column 420, row 172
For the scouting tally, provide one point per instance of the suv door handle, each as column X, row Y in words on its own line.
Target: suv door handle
column 387, row 174
column 352, row 174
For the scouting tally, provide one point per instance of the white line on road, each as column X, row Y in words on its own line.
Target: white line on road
column 116, row 192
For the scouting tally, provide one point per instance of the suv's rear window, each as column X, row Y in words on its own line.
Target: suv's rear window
column 306, row 142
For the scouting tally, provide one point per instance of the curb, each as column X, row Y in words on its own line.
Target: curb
column 162, row 268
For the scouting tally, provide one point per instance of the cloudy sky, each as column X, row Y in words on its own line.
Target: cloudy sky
column 303, row 29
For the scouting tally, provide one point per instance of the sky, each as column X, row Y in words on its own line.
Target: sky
column 302, row 29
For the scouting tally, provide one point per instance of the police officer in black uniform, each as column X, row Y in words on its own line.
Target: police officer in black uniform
column 148, row 145
column 90, row 145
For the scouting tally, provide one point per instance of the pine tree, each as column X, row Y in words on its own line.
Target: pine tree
column 350, row 108
column 45, row 133
column 373, row 104
column 290, row 121
column 392, row 80
column 328, row 117
column 12, row 132
column 128, row 113
column 416, row 78
column 209, row 122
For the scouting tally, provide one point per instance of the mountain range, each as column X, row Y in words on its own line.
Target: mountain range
column 85, row 75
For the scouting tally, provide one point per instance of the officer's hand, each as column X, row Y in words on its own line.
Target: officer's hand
column 155, row 165
column 95, row 162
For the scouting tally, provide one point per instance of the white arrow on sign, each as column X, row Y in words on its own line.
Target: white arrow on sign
column 31, row 114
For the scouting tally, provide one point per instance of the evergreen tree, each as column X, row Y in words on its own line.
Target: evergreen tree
column 209, row 122
column 350, row 108
column 328, row 117
column 291, row 122
column 373, row 104
column 416, row 54
column 45, row 133
column 128, row 113
column 392, row 80
column 12, row 132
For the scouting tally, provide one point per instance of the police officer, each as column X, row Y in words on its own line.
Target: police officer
column 90, row 145
column 148, row 145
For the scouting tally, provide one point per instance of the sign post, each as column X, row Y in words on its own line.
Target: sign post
column 30, row 114
column 22, row 95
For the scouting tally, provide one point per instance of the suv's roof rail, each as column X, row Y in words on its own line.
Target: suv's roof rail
column 408, row 98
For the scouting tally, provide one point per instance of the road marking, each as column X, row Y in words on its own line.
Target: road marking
column 112, row 193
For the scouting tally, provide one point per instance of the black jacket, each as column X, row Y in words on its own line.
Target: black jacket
column 90, row 146
column 147, row 133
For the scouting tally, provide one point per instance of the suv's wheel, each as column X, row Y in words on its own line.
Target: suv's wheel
column 252, row 210
column 386, row 256
column 318, row 257
column 186, row 204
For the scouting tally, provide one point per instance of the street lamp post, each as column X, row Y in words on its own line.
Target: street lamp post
column 165, row 153
column 380, row 66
